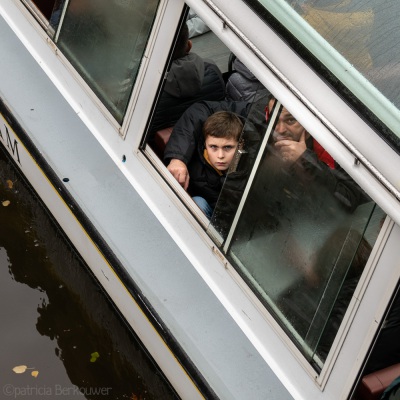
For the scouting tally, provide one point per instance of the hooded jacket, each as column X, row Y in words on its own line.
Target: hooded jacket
column 242, row 85
column 189, row 80
column 205, row 181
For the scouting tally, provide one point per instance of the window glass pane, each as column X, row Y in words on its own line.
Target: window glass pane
column 358, row 41
column 105, row 41
column 289, row 219
column 254, row 114
column 303, row 230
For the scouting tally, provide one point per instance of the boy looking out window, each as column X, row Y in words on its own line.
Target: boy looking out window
column 210, row 163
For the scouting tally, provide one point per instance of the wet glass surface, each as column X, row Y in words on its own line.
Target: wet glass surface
column 57, row 325
column 303, row 230
column 105, row 41
column 358, row 42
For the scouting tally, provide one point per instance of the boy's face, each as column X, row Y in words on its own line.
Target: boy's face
column 220, row 152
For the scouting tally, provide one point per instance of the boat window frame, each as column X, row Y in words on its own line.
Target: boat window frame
column 189, row 218
column 319, row 378
column 33, row 13
column 38, row 15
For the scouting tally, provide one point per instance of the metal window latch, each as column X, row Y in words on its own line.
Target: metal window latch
column 235, row 162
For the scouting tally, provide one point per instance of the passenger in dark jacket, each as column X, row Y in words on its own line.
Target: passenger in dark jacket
column 309, row 161
column 187, row 135
column 299, row 154
column 188, row 132
column 211, row 161
column 190, row 79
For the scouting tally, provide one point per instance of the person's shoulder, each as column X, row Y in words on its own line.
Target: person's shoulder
column 188, row 61
column 211, row 66
column 243, row 70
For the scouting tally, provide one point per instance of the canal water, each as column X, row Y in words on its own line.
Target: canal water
column 60, row 337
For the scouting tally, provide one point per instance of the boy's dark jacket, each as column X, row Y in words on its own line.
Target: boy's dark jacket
column 190, row 80
column 187, row 143
column 205, row 181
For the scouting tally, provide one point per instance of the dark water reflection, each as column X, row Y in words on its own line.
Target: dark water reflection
column 53, row 315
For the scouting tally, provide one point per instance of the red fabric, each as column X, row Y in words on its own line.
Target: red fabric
column 323, row 155
column 373, row 385
column 266, row 113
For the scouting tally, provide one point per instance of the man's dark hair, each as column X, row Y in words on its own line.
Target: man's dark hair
column 181, row 43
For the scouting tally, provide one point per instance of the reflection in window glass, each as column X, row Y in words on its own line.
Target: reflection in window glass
column 357, row 40
column 303, row 232
column 105, row 41
column 366, row 33
column 347, row 26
